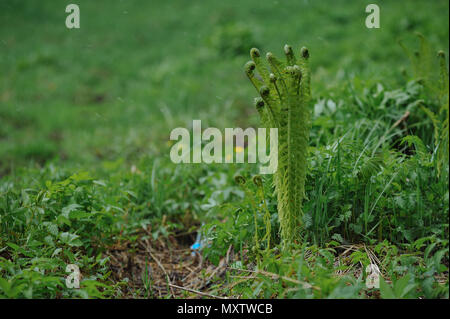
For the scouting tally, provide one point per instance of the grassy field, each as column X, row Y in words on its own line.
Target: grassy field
column 86, row 178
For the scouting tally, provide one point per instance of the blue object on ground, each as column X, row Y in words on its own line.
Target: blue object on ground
column 198, row 243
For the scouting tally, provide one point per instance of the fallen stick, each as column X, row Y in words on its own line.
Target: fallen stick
column 197, row 292
column 276, row 276
column 159, row 264
column 403, row 118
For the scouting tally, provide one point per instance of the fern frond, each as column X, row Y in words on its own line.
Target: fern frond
column 285, row 105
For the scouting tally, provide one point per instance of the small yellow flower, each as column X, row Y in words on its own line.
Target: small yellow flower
column 228, row 157
column 238, row 149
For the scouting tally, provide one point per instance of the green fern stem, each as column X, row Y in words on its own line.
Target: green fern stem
column 284, row 87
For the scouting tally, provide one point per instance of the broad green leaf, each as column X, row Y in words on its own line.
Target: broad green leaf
column 385, row 290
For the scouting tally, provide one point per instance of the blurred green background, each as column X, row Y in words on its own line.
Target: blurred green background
column 117, row 86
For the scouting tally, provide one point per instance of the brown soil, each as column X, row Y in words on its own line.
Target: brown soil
column 172, row 270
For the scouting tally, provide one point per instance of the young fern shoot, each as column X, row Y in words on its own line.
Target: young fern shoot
column 284, row 87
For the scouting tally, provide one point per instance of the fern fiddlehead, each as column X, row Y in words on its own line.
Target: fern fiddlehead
column 284, row 87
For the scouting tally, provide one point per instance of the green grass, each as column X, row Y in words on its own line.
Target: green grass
column 85, row 118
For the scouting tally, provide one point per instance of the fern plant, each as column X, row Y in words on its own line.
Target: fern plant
column 284, row 87
column 436, row 86
column 258, row 204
